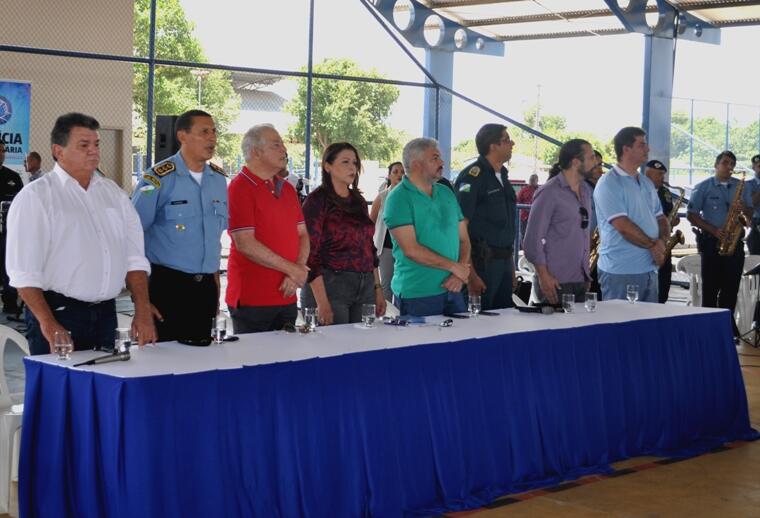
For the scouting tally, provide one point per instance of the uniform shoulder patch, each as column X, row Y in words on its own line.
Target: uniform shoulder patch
column 217, row 169
column 164, row 168
column 474, row 171
column 152, row 180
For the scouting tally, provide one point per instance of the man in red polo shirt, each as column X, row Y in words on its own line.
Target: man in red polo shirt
column 270, row 244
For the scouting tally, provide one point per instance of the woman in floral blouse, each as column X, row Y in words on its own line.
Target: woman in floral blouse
column 343, row 259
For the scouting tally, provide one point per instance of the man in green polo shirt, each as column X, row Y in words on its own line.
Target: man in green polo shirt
column 431, row 246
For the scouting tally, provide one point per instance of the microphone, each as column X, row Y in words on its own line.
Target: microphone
column 108, row 358
column 546, row 310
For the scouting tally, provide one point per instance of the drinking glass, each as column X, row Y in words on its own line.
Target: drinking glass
column 368, row 315
column 568, row 302
column 310, row 319
column 123, row 340
column 473, row 305
column 219, row 329
column 632, row 292
column 590, row 303
column 63, row 344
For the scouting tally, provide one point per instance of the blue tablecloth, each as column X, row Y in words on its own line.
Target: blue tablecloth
column 410, row 431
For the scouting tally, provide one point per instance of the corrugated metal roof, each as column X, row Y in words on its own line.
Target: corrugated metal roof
column 512, row 20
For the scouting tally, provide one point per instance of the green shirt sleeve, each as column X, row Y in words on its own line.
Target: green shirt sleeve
column 397, row 210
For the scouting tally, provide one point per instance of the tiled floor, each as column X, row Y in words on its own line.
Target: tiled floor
column 724, row 484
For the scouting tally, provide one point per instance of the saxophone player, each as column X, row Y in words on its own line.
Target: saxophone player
column 711, row 203
column 753, row 186
column 656, row 171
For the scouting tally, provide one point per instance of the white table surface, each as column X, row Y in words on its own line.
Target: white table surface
column 274, row 347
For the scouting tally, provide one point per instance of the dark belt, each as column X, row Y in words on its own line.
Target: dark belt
column 195, row 277
column 482, row 251
column 53, row 297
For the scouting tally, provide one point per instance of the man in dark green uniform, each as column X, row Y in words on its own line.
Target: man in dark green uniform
column 488, row 204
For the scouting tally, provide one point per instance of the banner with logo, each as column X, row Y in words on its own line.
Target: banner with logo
column 15, row 106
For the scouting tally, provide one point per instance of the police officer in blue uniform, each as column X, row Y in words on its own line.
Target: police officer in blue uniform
column 182, row 203
column 753, row 190
column 488, row 203
column 707, row 211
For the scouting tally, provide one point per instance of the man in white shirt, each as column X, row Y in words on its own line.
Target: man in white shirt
column 73, row 240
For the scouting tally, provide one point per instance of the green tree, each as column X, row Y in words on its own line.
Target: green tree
column 555, row 126
column 351, row 111
column 709, row 139
column 175, row 88
column 744, row 141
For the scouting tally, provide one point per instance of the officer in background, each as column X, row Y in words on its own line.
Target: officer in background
column 10, row 185
column 488, row 203
column 753, row 191
column 656, row 171
column 182, row 203
column 294, row 180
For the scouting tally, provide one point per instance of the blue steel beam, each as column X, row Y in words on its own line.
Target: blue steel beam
column 309, row 82
column 437, row 111
column 659, row 62
column 671, row 22
column 471, row 42
column 658, row 95
column 151, row 81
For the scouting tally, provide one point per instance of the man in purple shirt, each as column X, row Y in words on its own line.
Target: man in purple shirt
column 557, row 237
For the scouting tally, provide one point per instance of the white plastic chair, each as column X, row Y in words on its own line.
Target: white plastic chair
column 10, row 417
column 691, row 265
column 747, row 296
column 528, row 272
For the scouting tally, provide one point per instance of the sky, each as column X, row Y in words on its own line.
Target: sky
column 595, row 82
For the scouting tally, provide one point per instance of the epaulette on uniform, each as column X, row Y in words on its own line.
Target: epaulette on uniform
column 164, row 168
column 217, row 169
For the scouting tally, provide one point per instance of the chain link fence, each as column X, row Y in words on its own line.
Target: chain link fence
column 96, row 58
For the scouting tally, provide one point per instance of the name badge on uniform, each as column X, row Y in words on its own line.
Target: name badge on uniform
column 178, row 202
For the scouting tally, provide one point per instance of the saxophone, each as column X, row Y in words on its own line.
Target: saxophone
column 593, row 256
column 677, row 237
column 735, row 220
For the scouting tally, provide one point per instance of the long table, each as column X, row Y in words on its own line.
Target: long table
column 377, row 422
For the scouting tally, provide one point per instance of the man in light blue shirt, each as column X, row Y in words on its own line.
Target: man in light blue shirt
column 632, row 226
column 182, row 203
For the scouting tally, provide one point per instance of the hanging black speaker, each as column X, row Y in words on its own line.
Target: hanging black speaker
column 166, row 139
